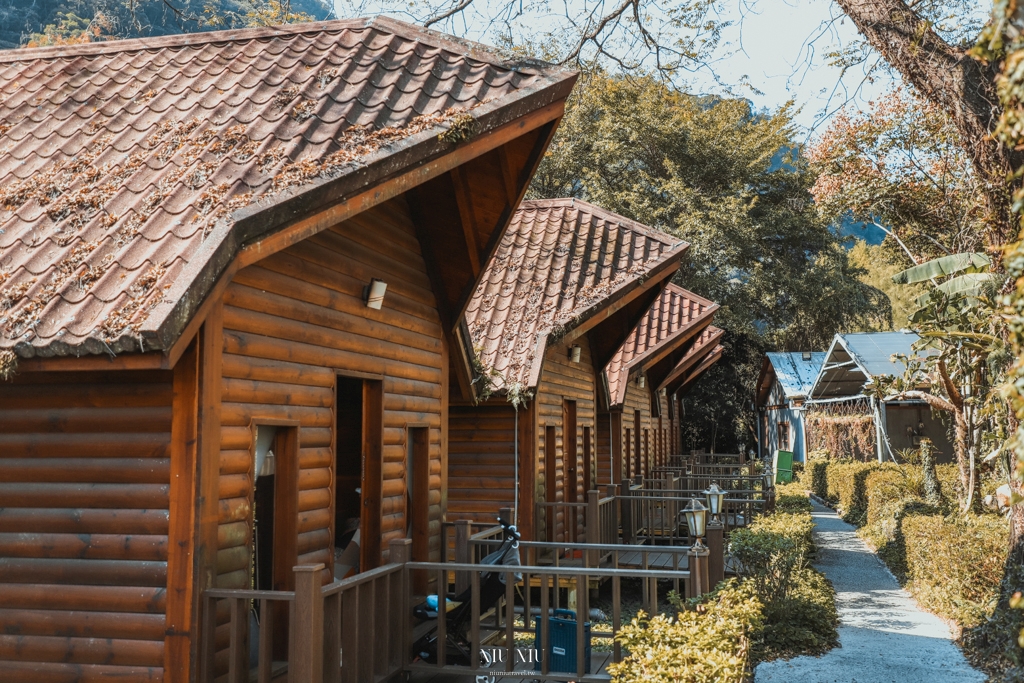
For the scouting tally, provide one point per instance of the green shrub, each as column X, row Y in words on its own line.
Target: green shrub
column 949, row 481
column 887, row 534
column 887, row 488
column 819, row 478
column 708, row 644
column 771, row 550
column 955, row 564
column 806, row 622
column 847, row 488
column 790, row 503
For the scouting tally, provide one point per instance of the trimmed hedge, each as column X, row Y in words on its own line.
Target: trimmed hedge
column 847, row 488
column 955, row 564
column 710, row 643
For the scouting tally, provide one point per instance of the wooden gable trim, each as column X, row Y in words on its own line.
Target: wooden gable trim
column 680, row 373
column 697, row 372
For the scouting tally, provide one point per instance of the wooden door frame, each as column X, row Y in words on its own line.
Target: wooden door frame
column 550, row 480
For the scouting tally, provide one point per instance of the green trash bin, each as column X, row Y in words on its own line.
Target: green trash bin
column 782, row 464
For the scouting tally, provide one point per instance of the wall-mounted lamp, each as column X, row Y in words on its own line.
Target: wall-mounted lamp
column 642, row 381
column 806, row 355
column 574, row 353
column 375, row 294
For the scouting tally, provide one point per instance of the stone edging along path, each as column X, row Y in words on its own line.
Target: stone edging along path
column 884, row 637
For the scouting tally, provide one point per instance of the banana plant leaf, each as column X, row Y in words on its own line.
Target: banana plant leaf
column 971, row 285
column 941, row 267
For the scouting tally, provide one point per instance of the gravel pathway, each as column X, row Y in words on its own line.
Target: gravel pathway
column 884, row 636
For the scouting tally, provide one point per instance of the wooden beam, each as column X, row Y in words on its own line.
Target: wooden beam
column 398, row 184
column 207, row 502
column 178, row 662
column 468, row 219
column 508, row 174
column 152, row 360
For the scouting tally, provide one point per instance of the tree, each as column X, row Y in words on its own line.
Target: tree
column 901, row 167
column 877, row 270
column 960, row 359
column 732, row 183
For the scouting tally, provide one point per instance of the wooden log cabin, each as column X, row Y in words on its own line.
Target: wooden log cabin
column 639, row 424
column 566, row 285
column 231, row 266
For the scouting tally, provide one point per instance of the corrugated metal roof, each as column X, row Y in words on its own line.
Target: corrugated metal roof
column 856, row 357
column 795, row 374
column 128, row 168
column 664, row 325
column 873, row 351
column 559, row 261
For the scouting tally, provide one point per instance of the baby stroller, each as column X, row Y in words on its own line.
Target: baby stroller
column 458, row 619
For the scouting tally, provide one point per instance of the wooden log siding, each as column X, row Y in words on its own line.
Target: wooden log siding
column 84, row 494
column 637, row 399
column 294, row 320
column 562, row 380
column 481, row 460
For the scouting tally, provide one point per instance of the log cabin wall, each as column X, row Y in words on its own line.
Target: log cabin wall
column 608, row 430
column 662, row 423
column 637, row 399
column 481, row 460
column 85, row 493
column 562, row 380
column 292, row 323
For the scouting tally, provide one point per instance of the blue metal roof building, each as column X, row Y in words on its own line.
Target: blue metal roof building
column 784, row 384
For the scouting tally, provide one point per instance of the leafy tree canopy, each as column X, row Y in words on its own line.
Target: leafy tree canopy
column 732, row 183
column 56, row 22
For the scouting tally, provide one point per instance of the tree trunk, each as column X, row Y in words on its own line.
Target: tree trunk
column 960, row 85
column 932, row 490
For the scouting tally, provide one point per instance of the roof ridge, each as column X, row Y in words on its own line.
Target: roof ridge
column 404, row 29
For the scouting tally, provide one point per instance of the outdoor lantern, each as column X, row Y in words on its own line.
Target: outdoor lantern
column 375, row 294
column 642, row 381
column 715, row 497
column 696, row 520
column 574, row 353
column 768, row 479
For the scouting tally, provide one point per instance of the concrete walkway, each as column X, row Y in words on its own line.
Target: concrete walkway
column 884, row 637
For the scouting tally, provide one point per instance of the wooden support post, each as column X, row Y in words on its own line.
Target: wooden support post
column 306, row 644
column 463, row 531
column 698, row 565
column 716, row 553
column 627, row 514
column 401, row 553
column 593, row 526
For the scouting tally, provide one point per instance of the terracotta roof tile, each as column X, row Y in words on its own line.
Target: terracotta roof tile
column 127, row 166
column 665, row 325
column 560, row 261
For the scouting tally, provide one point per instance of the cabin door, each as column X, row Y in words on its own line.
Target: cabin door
column 357, row 484
column 551, row 481
column 638, row 468
column 417, row 501
column 570, row 458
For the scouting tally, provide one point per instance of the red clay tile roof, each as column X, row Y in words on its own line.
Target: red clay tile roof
column 560, row 262
column 692, row 365
column 131, row 172
column 668, row 323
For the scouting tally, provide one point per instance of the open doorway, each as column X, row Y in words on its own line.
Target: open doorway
column 358, row 442
column 275, row 519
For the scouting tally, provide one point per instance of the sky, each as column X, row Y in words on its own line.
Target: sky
column 771, row 52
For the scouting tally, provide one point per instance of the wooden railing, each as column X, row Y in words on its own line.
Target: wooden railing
column 352, row 630
column 360, row 629
column 497, row 631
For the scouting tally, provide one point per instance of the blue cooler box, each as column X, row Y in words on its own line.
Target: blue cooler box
column 562, row 629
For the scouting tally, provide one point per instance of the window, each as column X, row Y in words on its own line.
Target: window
column 784, row 436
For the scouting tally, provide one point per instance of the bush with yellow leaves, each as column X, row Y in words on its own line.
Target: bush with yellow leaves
column 707, row 644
